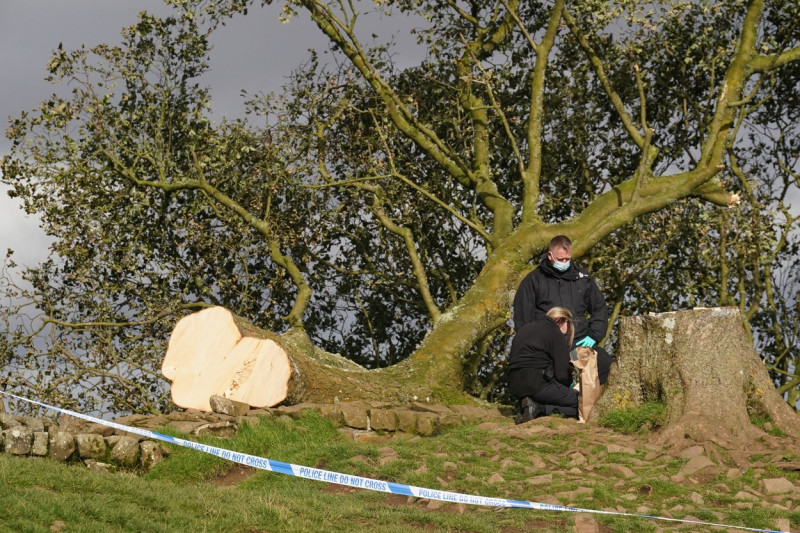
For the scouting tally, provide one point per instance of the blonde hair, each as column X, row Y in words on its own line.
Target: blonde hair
column 557, row 313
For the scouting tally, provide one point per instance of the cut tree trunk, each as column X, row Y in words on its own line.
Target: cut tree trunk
column 213, row 352
column 702, row 365
column 216, row 353
column 210, row 354
column 204, row 353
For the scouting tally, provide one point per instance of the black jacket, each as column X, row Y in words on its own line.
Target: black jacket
column 540, row 344
column 546, row 287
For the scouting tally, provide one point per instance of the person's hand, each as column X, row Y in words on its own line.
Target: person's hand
column 586, row 341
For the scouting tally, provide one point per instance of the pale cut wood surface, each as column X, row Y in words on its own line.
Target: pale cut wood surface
column 207, row 355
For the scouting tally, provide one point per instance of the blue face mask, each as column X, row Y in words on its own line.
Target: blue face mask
column 561, row 267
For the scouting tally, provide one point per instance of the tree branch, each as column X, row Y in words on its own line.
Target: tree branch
column 399, row 114
column 295, row 316
column 597, row 64
column 732, row 87
column 532, row 175
column 418, row 268
column 483, row 45
column 767, row 63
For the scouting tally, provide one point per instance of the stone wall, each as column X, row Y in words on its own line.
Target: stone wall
column 72, row 439
column 99, row 446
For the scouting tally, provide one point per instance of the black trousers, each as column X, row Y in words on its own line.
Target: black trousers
column 555, row 397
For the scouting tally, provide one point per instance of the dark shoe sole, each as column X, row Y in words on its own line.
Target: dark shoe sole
column 529, row 410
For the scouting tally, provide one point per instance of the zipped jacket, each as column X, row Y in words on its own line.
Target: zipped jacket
column 540, row 344
column 545, row 288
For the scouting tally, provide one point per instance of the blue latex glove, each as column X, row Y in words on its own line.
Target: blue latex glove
column 586, row 341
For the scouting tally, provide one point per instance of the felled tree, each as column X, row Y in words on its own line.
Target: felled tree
column 701, row 364
column 386, row 215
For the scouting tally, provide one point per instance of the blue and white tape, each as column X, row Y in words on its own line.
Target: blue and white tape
column 338, row 478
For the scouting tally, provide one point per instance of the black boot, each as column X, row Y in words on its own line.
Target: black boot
column 528, row 410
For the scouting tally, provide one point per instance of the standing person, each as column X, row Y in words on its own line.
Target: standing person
column 559, row 282
column 539, row 374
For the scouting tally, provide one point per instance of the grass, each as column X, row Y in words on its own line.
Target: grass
column 762, row 422
column 183, row 492
column 646, row 417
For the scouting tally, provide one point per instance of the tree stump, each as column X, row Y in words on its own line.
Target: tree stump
column 702, row 365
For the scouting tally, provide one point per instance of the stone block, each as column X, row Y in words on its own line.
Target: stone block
column 18, row 440
column 383, row 419
column 427, row 424
column 62, row 445
column 135, row 420
column 190, row 414
column 151, row 453
column 226, row 406
column 124, row 450
column 622, row 470
column 36, row 424
column 407, row 420
column 332, row 412
column 186, row 427
column 218, row 429
column 450, row 421
column 699, row 464
column 354, row 415
column 779, row 485
column 91, row 446
column 349, row 433
column 76, row 426
column 41, row 440
column 8, row 421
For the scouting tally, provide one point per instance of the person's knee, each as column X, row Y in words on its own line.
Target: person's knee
column 563, row 410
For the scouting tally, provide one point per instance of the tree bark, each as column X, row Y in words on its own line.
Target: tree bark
column 702, row 365
column 434, row 372
column 214, row 352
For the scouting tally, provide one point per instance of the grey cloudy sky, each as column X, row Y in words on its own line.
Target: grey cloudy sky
column 254, row 52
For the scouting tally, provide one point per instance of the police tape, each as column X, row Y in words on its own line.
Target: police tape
column 327, row 476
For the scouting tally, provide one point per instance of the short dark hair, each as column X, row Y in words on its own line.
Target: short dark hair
column 560, row 241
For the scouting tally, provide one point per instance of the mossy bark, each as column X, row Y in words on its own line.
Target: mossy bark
column 434, row 372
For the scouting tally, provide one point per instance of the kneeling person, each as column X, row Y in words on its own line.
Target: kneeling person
column 540, row 375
